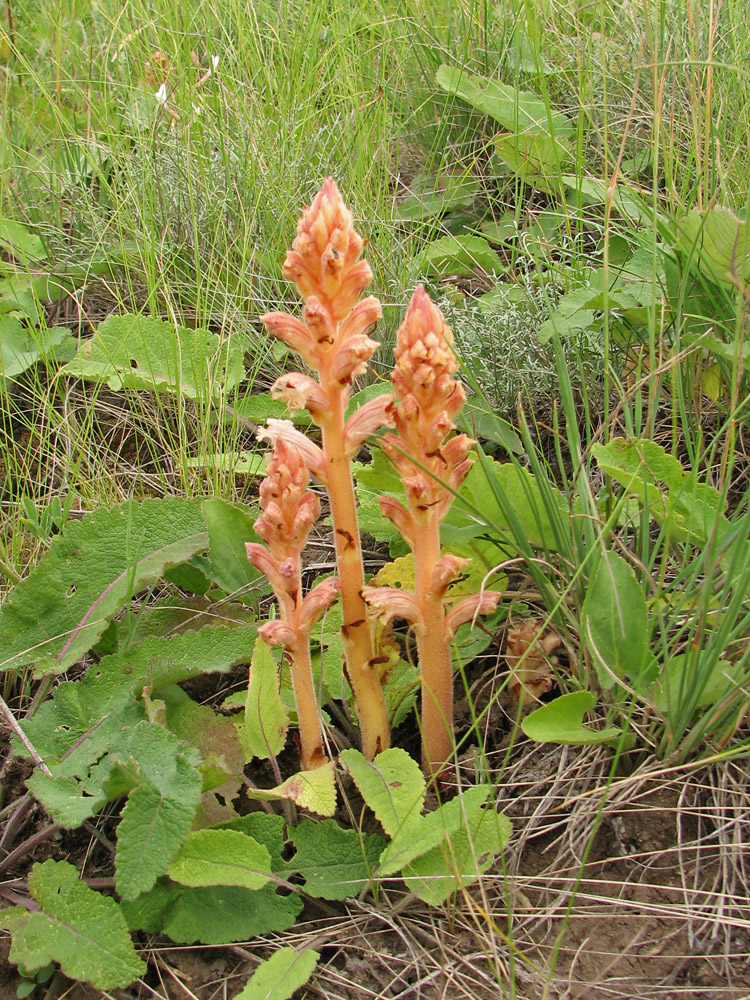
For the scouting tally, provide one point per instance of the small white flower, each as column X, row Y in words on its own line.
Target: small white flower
column 214, row 62
column 161, row 94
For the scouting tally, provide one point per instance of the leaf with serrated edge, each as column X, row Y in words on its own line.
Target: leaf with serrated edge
column 431, row 830
column 79, row 928
column 92, row 569
column 221, row 857
column 314, row 790
column 159, row 812
column 336, row 863
column 280, row 975
column 143, row 352
column 266, row 717
column 214, row 915
column 461, row 859
column 393, row 786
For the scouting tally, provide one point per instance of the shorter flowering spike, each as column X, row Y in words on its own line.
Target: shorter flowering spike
column 288, row 511
column 432, row 463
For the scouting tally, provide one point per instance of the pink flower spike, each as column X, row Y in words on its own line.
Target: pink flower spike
column 300, row 392
column 286, row 431
column 468, row 609
column 388, row 603
column 366, row 420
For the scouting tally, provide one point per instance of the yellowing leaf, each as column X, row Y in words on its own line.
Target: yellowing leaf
column 314, row 790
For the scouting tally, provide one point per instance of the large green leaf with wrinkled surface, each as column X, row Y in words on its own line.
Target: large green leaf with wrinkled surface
column 221, row 857
column 142, row 352
column 79, row 928
column 336, row 863
column 92, row 569
column 720, row 243
column 392, row 785
column 211, row 915
column 21, row 346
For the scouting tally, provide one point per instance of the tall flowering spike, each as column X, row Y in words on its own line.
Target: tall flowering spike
column 432, row 462
column 288, row 511
column 333, row 338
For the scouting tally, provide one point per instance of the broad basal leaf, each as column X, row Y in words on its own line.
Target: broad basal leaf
column 615, row 621
column 461, row 859
column 229, row 527
column 459, row 255
column 142, row 352
column 280, row 975
column 561, row 721
column 90, row 572
column 214, row 915
column 431, row 830
column 21, row 346
column 719, row 241
column 79, row 928
column 221, row 857
column 159, row 811
column 516, row 110
column 336, row 863
column 392, row 785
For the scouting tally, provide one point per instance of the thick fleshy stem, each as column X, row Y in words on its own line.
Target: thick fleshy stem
column 333, row 339
column 432, row 464
column 289, row 510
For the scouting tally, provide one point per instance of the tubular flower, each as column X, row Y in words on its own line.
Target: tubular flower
column 333, row 338
column 289, row 510
column 432, row 464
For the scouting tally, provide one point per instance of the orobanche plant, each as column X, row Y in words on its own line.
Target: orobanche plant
column 333, row 339
column 127, row 745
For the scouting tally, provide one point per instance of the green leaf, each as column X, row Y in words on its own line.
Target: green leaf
column 159, row 811
column 461, row 859
column 516, row 110
column 720, row 242
column 615, row 621
column 336, row 863
column 692, row 679
column 537, row 159
column 92, row 569
column 431, row 830
column 221, row 857
column 266, row 718
column 280, row 975
column 392, row 785
column 213, row 915
column 314, row 790
column 459, row 255
column 22, row 346
column 432, row 195
column 79, row 928
column 17, row 240
column 229, row 527
column 102, row 699
column 142, row 352
column 561, row 721
column 691, row 511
